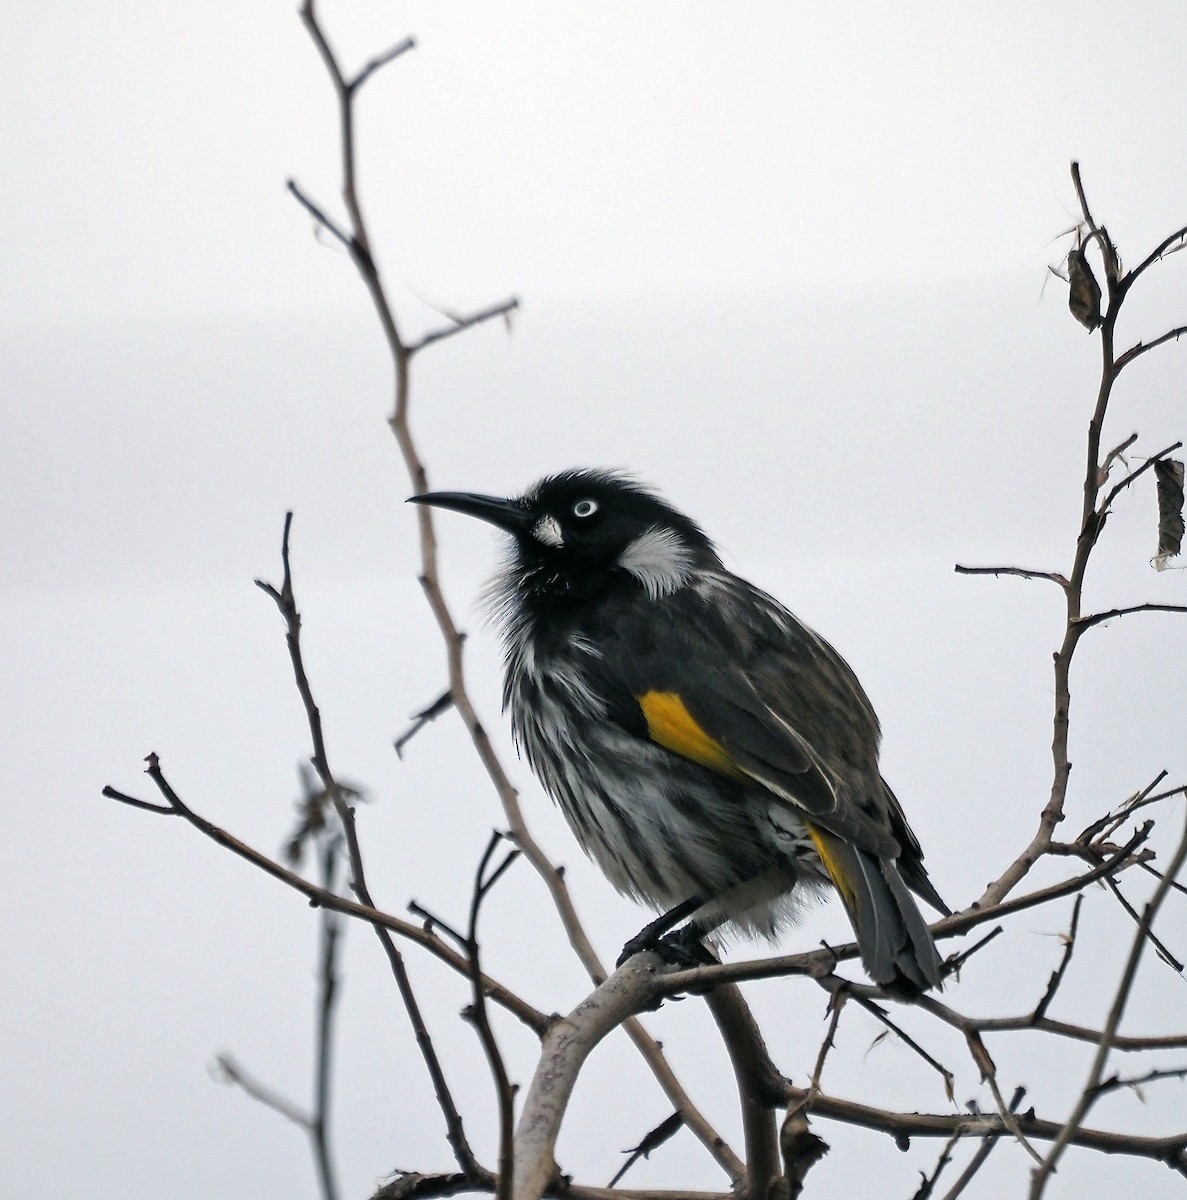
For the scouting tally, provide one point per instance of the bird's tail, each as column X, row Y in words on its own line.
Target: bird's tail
column 896, row 947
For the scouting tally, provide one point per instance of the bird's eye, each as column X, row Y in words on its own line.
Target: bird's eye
column 585, row 508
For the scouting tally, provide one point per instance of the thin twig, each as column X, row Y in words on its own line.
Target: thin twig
column 1117, row 452
column 1136, row 474
column 984, row 1150
column 1091, row 523
column 228, row 1071
column 318, row 896
column 906, row 1125
column 1027, row 1020
column 927, row 1183
column 1069, row 945
column 1097, row 618
column 1107, row 825
column 1159, row 946
column 358, row 243
column 1021, row 572
column 1116, row 1082
column 286, row 602
column 953, row 964
column 442, row 704
column 1124, row 987
column 877, row 1011
column 461, row 324
column 318, row 215
column 1156, row 254
column 1140, row 348
column 1097, row 234
column 379, row 61
column 504, row 1092
column 1007, row 1115
column 331, row 931
column 818, row 963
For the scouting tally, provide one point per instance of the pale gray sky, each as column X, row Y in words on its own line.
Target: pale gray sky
column 786, row 261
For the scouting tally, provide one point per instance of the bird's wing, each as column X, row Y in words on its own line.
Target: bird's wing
column 750, row 696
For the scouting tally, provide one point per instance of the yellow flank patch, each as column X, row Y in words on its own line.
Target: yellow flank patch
column 826, row 848
column 672, row 726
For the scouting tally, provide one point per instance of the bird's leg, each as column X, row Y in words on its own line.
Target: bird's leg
column 682, row 948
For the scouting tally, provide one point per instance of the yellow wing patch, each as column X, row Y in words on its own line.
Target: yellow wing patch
column 672, row 726
column 826, row 847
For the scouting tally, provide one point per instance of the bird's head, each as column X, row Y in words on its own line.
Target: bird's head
column 581, row 533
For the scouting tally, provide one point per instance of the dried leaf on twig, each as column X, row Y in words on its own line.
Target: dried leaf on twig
column 1168, row 472
column 652, row 1140
column 1083, row 297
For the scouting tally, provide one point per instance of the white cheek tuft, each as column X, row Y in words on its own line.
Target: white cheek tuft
column 548, row 531
column 659, row 560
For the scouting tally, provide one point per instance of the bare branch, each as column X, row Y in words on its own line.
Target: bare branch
column 319, row 897
column 1107, row 825
column 316, row 1123
column 1068, row 1133
column 379, row 61
column 1097, row 233
column 1117, row 452
column 359, row 246
column 1140, row 348
column 1069, row 946
column 504, row 1092
column 830, row 1038
column 759, row 1084
column 410, row 1184
column 1003, row 1110
column 227, row 1070
column 1097, row 618
column 1116, row 1082
column 442, row 704
column 1021, row 572
column 461, row 324
column 905, row 1125
column 1157, row 253
column 1159, row 946
column 927, row 1183
column 286, row 602
column 166, row 810
column 984, row 1150
column 1154, row 458
column 819, row 963
column 327, row 994
column 954, row 962
column 319, row 216
column 566, row 1046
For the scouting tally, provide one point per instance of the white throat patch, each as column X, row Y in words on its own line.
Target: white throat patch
column 659, row 560
column 548, row 531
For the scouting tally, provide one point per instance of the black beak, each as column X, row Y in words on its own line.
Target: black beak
column 509, row 515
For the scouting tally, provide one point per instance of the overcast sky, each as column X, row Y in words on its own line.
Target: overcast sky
column 786, row 261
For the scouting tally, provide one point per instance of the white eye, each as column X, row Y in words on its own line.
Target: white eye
column 585, row 508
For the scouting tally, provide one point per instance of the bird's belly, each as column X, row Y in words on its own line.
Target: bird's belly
column 663, row 828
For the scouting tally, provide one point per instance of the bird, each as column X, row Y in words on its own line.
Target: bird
column 715, row 757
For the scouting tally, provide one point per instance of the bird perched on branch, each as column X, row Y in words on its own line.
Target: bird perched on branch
column 714, row 756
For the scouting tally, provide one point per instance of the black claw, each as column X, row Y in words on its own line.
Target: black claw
column 682, row 948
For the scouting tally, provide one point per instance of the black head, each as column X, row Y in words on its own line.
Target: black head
column 579, row 533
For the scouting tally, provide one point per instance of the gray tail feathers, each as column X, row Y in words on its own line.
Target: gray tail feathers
column 896, row 948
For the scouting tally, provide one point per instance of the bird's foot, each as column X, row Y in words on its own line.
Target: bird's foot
column 681, row 948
